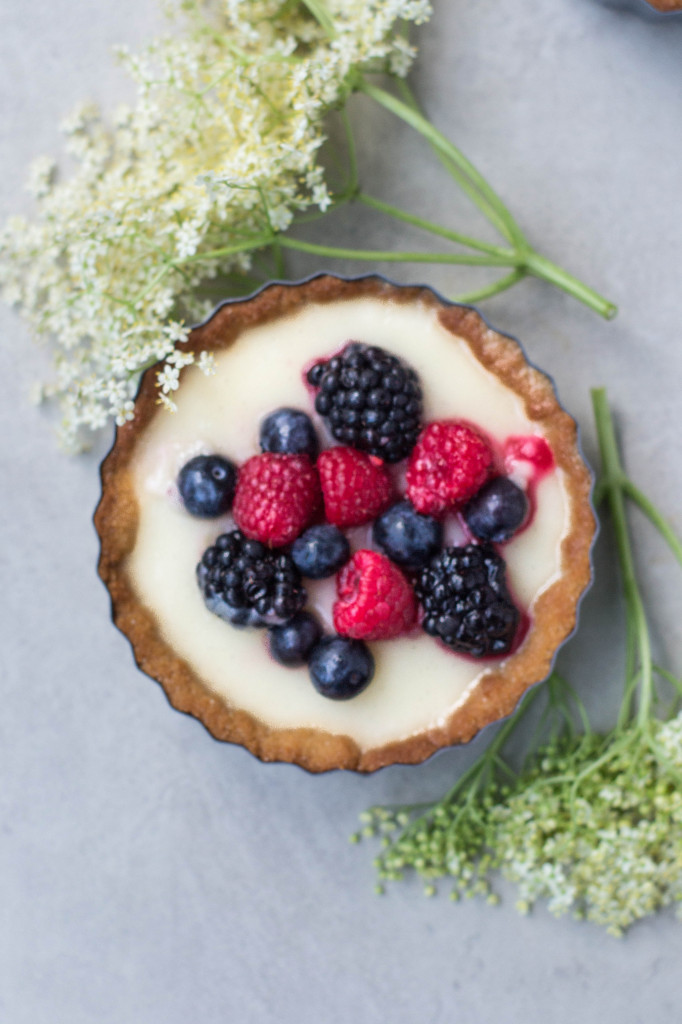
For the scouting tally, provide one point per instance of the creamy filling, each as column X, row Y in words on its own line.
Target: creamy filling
column 417, row 683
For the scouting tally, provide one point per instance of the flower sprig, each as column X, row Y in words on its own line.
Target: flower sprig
column 592, row 822
column 195, row 192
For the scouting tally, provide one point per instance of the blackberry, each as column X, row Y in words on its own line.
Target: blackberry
column 466, row 602
column 247, row 584
column 370, row 399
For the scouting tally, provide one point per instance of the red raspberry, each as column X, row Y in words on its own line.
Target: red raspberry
column 448, row 464
column 277, row 496
column 375, row 600
column 356, row 487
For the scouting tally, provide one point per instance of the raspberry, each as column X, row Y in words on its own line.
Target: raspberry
column 277, row 496
column 448, row 465
column 356, row 487
column 375, row 600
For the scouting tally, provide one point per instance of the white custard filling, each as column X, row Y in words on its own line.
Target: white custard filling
column 417, row 683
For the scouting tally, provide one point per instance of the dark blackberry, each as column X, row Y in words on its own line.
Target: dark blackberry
column 466, row 602
column 247, row 584
column 370, row 399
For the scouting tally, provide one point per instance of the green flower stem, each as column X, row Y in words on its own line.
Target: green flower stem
column 543, row 268
column 255, row 242
column 434, row 229
column 654, row 516
column 613, row 476
column 319, row 11
column 501, row 285
column 470, row 180
column 489, row 203
column 389, row 256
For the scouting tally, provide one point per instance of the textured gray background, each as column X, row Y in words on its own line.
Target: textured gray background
column 149, row 874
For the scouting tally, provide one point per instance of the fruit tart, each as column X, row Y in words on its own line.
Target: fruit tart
column 361, row 539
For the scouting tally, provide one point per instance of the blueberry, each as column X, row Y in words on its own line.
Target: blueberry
column 320, row 551
column 497, row 510
column 289, row 432
column 206, row 484
column 340, row 668
column 292, row 642
column 407, row 537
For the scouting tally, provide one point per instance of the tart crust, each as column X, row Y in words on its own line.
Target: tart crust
column 497, row 693
column 666, row 5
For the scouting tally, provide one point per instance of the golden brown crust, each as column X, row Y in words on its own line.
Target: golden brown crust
column 666, row 5
column 498, row 691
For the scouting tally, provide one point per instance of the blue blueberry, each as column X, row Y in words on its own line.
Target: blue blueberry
column 407, row 537
column 206, row 484
column 497, row 510
column 320, row 551
column 289, row 432
column 340, row 668
column 292, row 642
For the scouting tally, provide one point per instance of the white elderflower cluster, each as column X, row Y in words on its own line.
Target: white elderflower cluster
column 594, row 828
column 607, row 846
column 219, row 152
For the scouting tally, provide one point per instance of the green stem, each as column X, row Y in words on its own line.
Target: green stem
column 431, row 227
column 654, row 516
column 351, row 188
column 255, row 242
column 490, row 204
column 501, row 285
column 548, row 271
column 613, row 476
column 389, row 256
column 469, row 178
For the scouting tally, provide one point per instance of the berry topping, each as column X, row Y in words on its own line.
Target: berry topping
column 375, row 600
column 320, row 551
column 291, row 643
column 289, row 432
column 206, row 484
column 277, row 497
column 355, row 487
column 497, row 510
column 370, row 399
column 406, row 536
column 448, row 465
column 466, row 601
column 532, row 449
column 340, row 668
column 247, row 584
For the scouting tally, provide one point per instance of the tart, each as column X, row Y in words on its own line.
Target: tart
column 467, row 393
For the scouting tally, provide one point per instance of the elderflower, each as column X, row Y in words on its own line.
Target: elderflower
column 594, row 828
column 219, row 152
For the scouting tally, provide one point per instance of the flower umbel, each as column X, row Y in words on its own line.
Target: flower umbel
column 219, row 152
